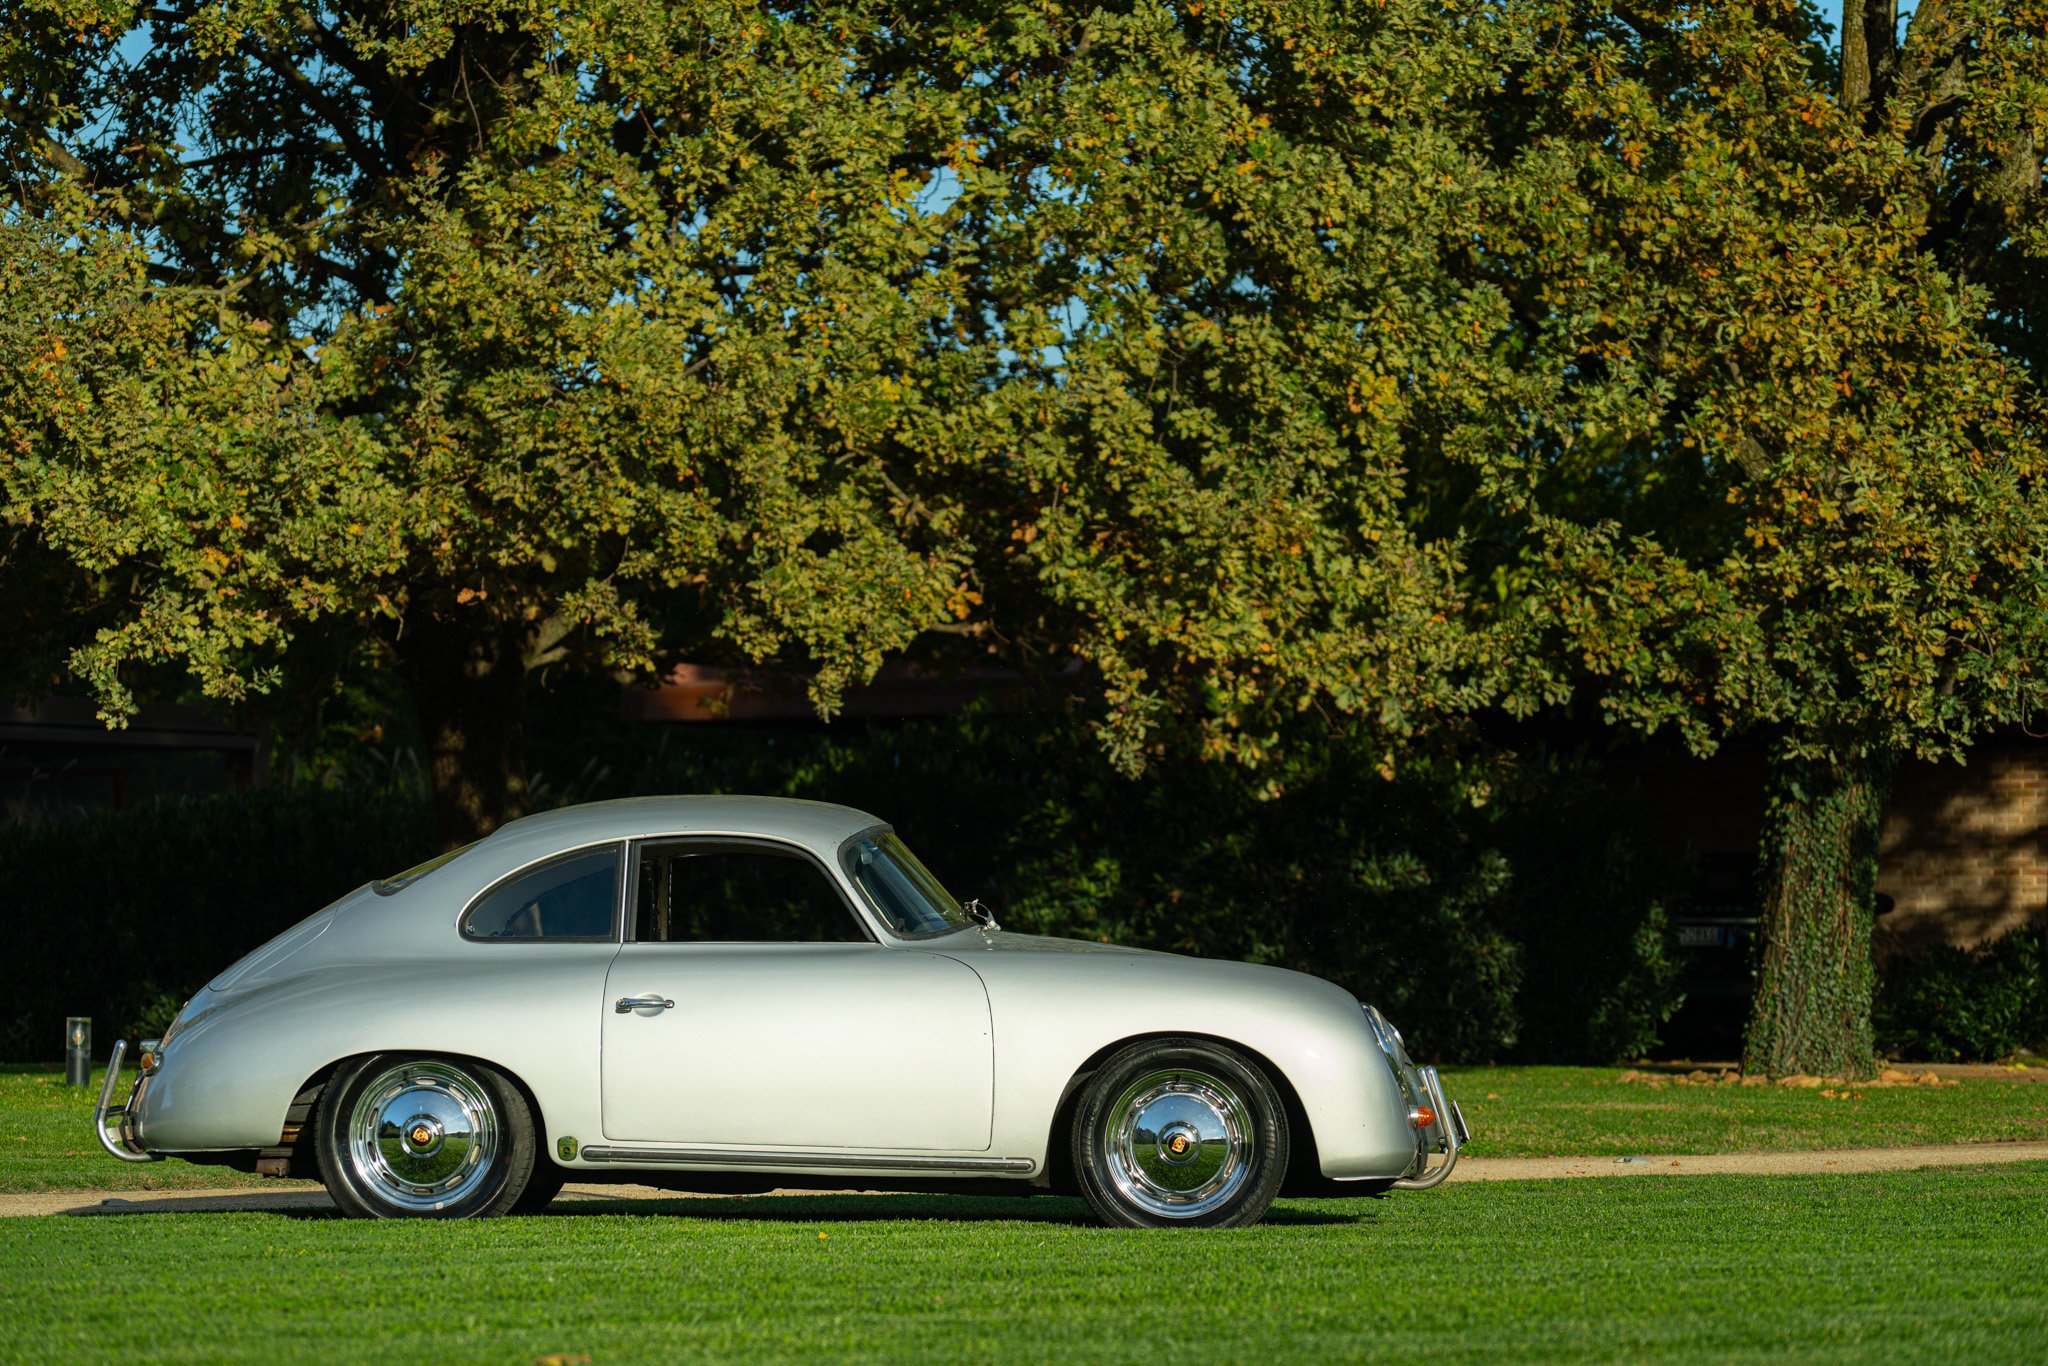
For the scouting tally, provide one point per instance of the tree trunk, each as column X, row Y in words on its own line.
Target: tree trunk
column 1814, row 976
column 1869, row 52
column 469, row 694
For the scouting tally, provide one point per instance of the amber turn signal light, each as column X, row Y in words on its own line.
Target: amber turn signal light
column 1422, row 1116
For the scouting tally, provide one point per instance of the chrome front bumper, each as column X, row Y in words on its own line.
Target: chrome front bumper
column 122, row 1142
column 1446, row 1136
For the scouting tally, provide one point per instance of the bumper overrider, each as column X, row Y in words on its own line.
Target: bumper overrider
column 121, row 1139
column 1439, row 1124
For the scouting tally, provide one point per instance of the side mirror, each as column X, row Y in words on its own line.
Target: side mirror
column 983, row 916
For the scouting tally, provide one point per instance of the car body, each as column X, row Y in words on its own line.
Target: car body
column 645, row 1034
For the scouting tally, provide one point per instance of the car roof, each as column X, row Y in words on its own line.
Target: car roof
column 820, row 826
column 419, row 911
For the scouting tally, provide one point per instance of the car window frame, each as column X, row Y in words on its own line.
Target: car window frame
column 630, row 900
column 843, row 856
column 620, row 863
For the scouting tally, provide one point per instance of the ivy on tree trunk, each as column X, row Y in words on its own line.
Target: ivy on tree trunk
column 1811, row 1012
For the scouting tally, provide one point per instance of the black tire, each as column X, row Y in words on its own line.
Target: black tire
column 1180, row 1133
column 412, row 1136
column 541, row 1188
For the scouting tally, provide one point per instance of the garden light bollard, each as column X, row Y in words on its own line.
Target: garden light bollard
column 78, row 1050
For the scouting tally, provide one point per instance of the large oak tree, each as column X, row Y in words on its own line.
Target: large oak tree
column 499, row 335
column 1786, row 478
column 1281, row 359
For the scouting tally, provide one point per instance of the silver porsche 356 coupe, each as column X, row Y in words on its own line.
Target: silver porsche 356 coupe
column 737, row 993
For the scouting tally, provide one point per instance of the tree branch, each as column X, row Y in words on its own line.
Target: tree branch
column 1870, row 53
column 60, row 156
column 1923, row 54
column 322, row 103
column 1645, row 27
column 337, row 51
column 372, row 288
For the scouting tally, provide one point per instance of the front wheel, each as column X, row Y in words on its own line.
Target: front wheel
column 424, row 1138
column 541, row 1188
column 1180, row 1133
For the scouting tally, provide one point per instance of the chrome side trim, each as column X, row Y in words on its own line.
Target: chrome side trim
column 883, row 1162
column 119, row 1144
column 1449, row 1124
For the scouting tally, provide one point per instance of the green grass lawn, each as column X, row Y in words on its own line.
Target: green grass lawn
column 46, row 1138
column 1928, row 1265
column 1537, row 1111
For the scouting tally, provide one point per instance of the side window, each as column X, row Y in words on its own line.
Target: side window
column 566, row 898
column 705, row 892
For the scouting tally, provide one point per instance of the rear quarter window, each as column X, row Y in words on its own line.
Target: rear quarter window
column 574, row 898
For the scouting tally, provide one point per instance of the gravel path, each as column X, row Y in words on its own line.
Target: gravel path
column 1750, row 1164
column 1838, row 1160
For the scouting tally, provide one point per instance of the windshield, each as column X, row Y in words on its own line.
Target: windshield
column 385, row 886
column 902, row 890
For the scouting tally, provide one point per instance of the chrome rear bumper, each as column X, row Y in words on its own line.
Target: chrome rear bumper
column 1446, row 1136
column 122, row 1143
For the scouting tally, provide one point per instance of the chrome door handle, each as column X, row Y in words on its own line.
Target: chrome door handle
column 626, row 1005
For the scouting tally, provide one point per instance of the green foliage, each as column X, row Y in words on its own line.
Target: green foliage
column 1782, row 468
column 121, row 914
column 600, row 334
column 477, row 333
column 1967, row 1005
column 1795, row 482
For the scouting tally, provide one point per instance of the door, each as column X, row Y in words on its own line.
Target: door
column 790, row 1028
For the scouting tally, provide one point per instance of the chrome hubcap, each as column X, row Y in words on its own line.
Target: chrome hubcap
column 423, row 1135
column 1180, row 1143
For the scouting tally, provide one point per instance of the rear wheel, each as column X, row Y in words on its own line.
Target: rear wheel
column 425, row 1138
column 1180, row 1133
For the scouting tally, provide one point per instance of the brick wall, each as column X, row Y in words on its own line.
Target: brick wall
column 1964, row 856
column 1965, row 853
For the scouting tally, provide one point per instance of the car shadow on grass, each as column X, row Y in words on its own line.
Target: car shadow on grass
column 813, row 1209
column 788, row 1209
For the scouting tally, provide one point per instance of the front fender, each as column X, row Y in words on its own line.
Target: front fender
column 1055, row 1012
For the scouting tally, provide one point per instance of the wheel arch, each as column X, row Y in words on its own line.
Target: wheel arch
column 1303, row 1159
column 315, row 1086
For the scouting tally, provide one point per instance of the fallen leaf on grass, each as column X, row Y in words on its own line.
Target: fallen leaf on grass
column 563, row 1359
column 1699, row 1076
column 1894, row 1076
